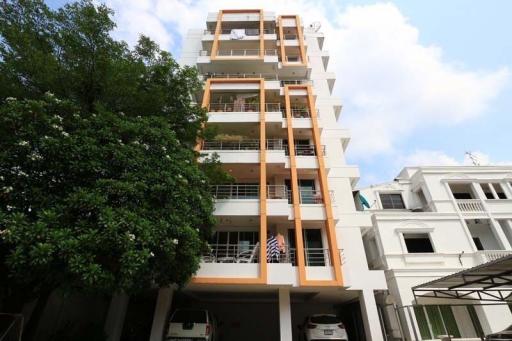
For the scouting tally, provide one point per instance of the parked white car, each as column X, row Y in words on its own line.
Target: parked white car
column 192, row 325
column 323, row 327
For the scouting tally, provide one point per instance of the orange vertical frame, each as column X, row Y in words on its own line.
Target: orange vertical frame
column 300, row 37
column 262, row 278
column 330, row 227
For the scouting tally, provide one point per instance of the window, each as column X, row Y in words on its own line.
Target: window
column 391, row 201
column 418, row 243
column 433, row 319
column 462, row 196
column 478, row 243
column 499, row 191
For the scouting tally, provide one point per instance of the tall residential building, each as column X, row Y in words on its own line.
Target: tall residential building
column 431, row 222
column 288, row 242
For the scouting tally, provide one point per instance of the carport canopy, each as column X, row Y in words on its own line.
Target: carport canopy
column 491, row 281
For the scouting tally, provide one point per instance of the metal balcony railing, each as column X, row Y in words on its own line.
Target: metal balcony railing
column 300, row 112
column 272, row 107
column 290, row 37
column 241, row 53
column 232, row 253
column 266, row 76
column 235, row 191
column 248, row 31
column 278, row 192
column 296, row 81
column 311, row 196
column 307, row 150
column 233, row 107
column 231, row 145
column 470, row 205
column 312, row 256
column 275, row 144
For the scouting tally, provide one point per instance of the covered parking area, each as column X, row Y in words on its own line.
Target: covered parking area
column 468, row 304
column 256, row 313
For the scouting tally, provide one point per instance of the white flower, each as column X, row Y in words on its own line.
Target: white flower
column 65, row 134
column 164, row 149
column 23, row 143
column 55, row 126
column 7, row 189
column 145, row 146
column 136, row 142
column 9, row 207
column 10, row 99
column 175, row 241
column 151, row 254
column 59, row 118
column 167, row 157
column 35, row 156
column 131, row 236
column 121, row 113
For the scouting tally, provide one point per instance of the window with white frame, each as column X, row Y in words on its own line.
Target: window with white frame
column 391, row 201
column 493, row 190
column 418, row 243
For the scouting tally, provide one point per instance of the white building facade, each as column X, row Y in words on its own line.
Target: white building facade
column 431, row 222
column 269, row 100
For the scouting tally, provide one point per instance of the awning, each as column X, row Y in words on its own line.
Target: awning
column 490, row 281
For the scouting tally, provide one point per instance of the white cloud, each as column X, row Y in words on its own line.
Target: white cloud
column 390, row 83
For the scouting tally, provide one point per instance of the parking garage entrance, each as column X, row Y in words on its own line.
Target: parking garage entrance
column 254, row 316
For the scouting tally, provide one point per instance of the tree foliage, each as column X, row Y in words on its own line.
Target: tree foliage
column 99, row 186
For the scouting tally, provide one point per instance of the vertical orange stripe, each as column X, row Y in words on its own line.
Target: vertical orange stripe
column 302, row 47
column 263, row 186
column 262, row 35
column 281, row 40
column 299, row 244
column 218, row 28
column 331, row 232
column 204, row 104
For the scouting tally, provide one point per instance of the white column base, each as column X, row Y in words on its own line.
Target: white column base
column 370, row 316
column 115, row 317
column 285, row 315
column 163, row 304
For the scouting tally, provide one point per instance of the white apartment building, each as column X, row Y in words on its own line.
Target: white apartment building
column 269, row 97
column 430, row 222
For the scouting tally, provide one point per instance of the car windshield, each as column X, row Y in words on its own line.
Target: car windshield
column 183, row 316
column 325, row 319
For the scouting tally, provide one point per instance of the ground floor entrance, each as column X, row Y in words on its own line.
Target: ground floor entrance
column 270, row 314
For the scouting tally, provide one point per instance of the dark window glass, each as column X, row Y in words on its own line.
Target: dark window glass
column 462, row 196
column 391, row 201
column 418, row 243
column 325, row 319
column 183, row 316
column 501, row 195
column 489, row 195
column 478, row 243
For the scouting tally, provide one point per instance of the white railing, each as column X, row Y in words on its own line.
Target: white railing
column 272, row 107
column 242, row 53
column 232, row 253
column 235, row 191
column 470, row 205
column 290, row 37
column 266, row 76
column 307, row 150
column 278, row 192
column 233, row 107
column 492, row 255
column 253, row 144
column 248, row 31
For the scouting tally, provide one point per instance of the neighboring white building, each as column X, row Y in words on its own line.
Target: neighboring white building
column 431, row 222
column 269, row 94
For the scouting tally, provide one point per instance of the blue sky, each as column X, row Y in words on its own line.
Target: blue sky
column 434, row 79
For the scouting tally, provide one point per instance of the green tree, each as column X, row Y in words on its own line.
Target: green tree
column 99, row 186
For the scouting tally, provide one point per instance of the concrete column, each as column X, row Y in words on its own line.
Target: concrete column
column 115, row 316
column 285, row 315
column 370, row 316
column 163, row 304
column 477, row 189
column 500, row 235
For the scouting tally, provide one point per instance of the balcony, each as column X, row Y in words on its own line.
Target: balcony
column 470, row 205
column 239, row 53
column 491, row 255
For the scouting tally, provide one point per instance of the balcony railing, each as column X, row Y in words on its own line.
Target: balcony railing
column 248, row 31
column 232, row 253
column 492, row 255
column 296, row 81
column 312, row 196
column 277, row 192
column 276, row 144
column 312, row 256
column 290, row 37
column 470, row 205
column 241, row 53
column 297, row 112
column 272, row 107
column 266, row 76
column 233, row 107
column 235, row 191
column 307, row 150
column 231, row 145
